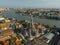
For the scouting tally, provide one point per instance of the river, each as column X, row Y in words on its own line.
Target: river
column 12, row 14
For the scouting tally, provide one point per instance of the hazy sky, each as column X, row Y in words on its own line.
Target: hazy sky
column 30, row 3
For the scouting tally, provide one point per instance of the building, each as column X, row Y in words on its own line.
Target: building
column 7, row 35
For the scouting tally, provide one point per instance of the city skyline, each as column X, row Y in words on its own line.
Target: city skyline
column 30, row 3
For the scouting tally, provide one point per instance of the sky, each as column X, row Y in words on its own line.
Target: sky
column 30, row 3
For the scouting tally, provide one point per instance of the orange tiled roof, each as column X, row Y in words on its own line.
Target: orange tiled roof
column 6, row 34
column 7, row 30
column 4, row 38
column 4, row 24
